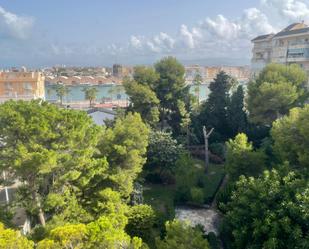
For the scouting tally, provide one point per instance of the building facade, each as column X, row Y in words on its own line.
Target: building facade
column 21, row 86
column 291, row 45
column 240, row 73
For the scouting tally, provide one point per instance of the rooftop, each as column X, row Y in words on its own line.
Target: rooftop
column 295, row 28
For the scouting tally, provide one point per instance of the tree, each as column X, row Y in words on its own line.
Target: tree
column 144, row 101
column 277, row 89
column 90, row 94
column 181, row 235
column 67, row 236
column 162, row 153
column 269, row 212
column 61, row 91
column 213, row 112
column 146, row 76
column 291, row 138
column 241, row 158
column 10, row 239
column 124, row 147
column 197, row 81
column 45, row 148
column 172, row 92
column 141, row 219
column 237, row 117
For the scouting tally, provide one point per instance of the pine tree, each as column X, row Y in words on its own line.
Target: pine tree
column 237, row 117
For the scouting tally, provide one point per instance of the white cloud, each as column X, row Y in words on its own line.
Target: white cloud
column 218, row 36
column 294, row 10
column 14, row 26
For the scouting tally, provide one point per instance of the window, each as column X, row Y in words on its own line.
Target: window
column 27, row 88
column 8, row 86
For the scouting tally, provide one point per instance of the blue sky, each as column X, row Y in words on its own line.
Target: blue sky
column 40, row 33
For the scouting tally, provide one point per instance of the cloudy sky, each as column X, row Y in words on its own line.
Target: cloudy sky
column 38, row 33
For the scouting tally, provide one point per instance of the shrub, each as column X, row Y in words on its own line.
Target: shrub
column 141, row 219
column 213, row 241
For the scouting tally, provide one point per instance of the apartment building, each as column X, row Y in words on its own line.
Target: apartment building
column 120, row 71
column 240, row 73
column 291, row 45
column 21, row 85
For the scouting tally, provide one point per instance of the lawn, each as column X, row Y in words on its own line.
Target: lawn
column 161, row 198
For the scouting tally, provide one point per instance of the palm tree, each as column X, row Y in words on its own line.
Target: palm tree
column 90, row 94
column 197, row 81
column 62, row 91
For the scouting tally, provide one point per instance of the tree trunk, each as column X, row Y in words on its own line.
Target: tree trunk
column 206, row 156
column 38, row 204
column 206, row 136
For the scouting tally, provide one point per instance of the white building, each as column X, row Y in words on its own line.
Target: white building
column 291, row 45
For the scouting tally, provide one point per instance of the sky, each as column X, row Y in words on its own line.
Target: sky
column 36, row 33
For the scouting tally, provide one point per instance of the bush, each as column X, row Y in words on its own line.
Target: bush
column 186, row 178
column 224, row 196
column 213, row 241
column 162, row 153
column 141, row 219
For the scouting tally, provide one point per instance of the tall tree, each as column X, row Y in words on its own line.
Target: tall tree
column 44, row 147
column 172, row 92
column 90, row 94
column 291, row 138
column 213, row 112
column 197, row 81
column 124, row 146
column 144, row 101
column 277, row 89
column 61, row 91
column 237, row 116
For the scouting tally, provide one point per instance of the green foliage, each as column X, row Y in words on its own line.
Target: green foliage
column 10, row 239
column 36, row 138
column 191, row 180
column 197, row 195
column 173, row 94
column 237, row 117
column 90, row 94
column 162, row 154
column 269, row 212
column 181, row 235
column 277, row 89
column 214, row 112
column 197, row 81
column 291, row 138
column 67, row 236
column 160, row 93
column 242, row 159
column 213, row 241
column 124, row 146
column 218, row 149
column 61, row 91
column 108, row 232
column 141, row 219
column 144, row 101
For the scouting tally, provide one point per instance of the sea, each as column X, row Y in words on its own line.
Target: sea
column 105, row 93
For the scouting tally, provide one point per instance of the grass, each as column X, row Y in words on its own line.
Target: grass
column 211, row 181
column 161, row 198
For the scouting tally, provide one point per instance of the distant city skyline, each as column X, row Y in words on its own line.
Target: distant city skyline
column 37, row 33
